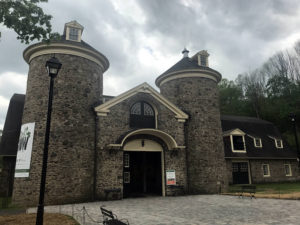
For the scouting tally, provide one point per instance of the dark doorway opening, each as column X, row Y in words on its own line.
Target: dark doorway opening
column 142, row 174
column 240, row 173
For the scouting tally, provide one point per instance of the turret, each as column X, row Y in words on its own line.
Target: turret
column 77, row 87
column 192, row 85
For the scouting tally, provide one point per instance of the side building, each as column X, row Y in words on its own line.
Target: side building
column 9, row 143
column 256, row 152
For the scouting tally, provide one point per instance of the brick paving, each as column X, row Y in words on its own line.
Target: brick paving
column 190, row 210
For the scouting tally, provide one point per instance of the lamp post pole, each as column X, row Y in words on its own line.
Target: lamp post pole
column 53, row 66
column 293, row 118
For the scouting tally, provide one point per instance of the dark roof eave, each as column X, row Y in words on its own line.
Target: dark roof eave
column 238, row 157
column 209, row 72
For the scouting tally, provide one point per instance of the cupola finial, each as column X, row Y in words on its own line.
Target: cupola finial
column 185, row 53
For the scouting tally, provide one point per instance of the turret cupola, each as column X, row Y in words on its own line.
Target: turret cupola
column 201, row 58
column 73, row 31
column 196, row 66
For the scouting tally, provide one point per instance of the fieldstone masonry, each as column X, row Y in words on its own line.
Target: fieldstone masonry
column 113, row 126
column 205, row 155
column 70, row 171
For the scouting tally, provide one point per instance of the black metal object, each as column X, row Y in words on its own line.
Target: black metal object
column 240, row 173
column 142, row 115
column 251, row 189
column 53, row 66
column 109, row 218
column 293, row 118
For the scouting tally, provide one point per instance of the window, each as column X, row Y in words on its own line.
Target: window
column 266, row 170
column 287, row 169
column 257, row 142
column 142, row 116
column 73, row 34
column 203, row 60
column 238, row 143
column 126, row 160
column 278, row 143
column 126, row 177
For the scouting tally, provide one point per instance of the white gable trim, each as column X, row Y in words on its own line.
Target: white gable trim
column 236, row 131
column 167, row 138
column 104, row 108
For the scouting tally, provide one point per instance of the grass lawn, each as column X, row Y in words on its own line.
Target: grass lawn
column 290, row 190
column 12, row 215
column 5, row 202
column 29, row 219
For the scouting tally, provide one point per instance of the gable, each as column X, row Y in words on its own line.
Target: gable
column 236, row 131
column 104, row 109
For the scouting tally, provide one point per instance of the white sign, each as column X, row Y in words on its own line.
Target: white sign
column 171, row 177
column 24, row 150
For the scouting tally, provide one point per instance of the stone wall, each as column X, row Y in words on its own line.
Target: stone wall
column 199, row 97
column 7, row 176
column 277, row 172
column 70, row 162
column 116, row 124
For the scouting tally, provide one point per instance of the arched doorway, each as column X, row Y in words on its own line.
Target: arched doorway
column 143, row 168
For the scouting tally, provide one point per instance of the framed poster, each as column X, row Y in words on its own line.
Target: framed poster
column 171, row 177
column 24, row 150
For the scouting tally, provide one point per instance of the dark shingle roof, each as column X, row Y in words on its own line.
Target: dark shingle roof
column 12, row 126
column 256, row 128
column 187, row 63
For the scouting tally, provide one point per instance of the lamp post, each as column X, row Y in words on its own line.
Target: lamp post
column 53, row 66
column 293, row 118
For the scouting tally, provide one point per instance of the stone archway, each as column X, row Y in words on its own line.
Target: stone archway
column 143, row 167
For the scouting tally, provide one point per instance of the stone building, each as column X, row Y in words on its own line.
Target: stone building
column 141, row 142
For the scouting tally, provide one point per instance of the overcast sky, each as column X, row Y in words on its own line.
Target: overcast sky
column 143, row 38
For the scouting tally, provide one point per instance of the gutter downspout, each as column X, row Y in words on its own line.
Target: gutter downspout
column 186, row 154
column 95, row 156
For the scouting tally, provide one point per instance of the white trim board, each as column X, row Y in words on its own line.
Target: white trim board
column 104, row 109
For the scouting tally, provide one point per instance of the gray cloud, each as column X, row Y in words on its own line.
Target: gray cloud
column 143, row 38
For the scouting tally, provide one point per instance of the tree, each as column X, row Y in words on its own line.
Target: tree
column 253, row 86
column 231, row 98
column 27, row 19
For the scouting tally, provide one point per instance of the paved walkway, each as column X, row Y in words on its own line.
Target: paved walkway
column 190, row 210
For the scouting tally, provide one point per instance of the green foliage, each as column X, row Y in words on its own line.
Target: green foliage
column 27, row 19
column 231, row 98
column 271, row 92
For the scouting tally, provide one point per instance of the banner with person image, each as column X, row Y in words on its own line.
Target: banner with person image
column 24, row 150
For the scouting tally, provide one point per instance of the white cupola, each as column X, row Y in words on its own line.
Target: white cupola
column 202, row 58
column 73, row 31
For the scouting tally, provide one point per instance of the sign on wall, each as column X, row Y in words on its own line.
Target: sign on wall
column 171, row 177
column 24, row 150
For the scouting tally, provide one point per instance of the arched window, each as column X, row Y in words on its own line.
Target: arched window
column 142, row 115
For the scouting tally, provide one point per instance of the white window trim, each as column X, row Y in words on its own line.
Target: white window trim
column 126, row 160
column 127, row 178
column 281, row 144
column 260, row 143
column 232, row 146
column 68, row 34
column 275, row 140
column 268, row 166
column 290, row 174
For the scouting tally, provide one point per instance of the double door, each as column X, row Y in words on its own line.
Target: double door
column 240, row 173
column 142, row 173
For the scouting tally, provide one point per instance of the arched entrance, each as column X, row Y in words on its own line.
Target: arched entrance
column 143, row 168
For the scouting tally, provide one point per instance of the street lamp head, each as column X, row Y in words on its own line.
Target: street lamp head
column 53, row 65
column 293, row 117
